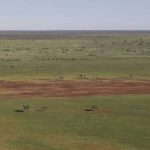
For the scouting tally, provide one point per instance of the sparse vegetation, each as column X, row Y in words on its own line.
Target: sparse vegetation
column 45, row 65
column 109, row 55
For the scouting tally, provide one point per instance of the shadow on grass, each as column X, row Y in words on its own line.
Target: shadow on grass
column 40, row 110
column 19, row 110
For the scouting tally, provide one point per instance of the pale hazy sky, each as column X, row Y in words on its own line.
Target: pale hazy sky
column 74, row 14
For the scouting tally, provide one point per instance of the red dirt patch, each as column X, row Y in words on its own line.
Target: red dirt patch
column 48, row 88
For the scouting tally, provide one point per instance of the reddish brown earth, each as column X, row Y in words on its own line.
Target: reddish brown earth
column 66, row 88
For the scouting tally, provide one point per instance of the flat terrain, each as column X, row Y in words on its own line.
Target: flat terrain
column 119, row 123
column 62, row 75
column 71, row 88
column 91, row 54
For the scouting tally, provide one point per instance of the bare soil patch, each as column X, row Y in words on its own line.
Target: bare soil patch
column 68, row 88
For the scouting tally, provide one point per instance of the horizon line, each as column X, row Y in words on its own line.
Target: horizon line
column 74, row 30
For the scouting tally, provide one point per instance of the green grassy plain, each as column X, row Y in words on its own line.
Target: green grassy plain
column 121, row 122
column 96, row 55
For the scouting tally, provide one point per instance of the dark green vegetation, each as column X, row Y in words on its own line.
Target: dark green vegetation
column 119, row 123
